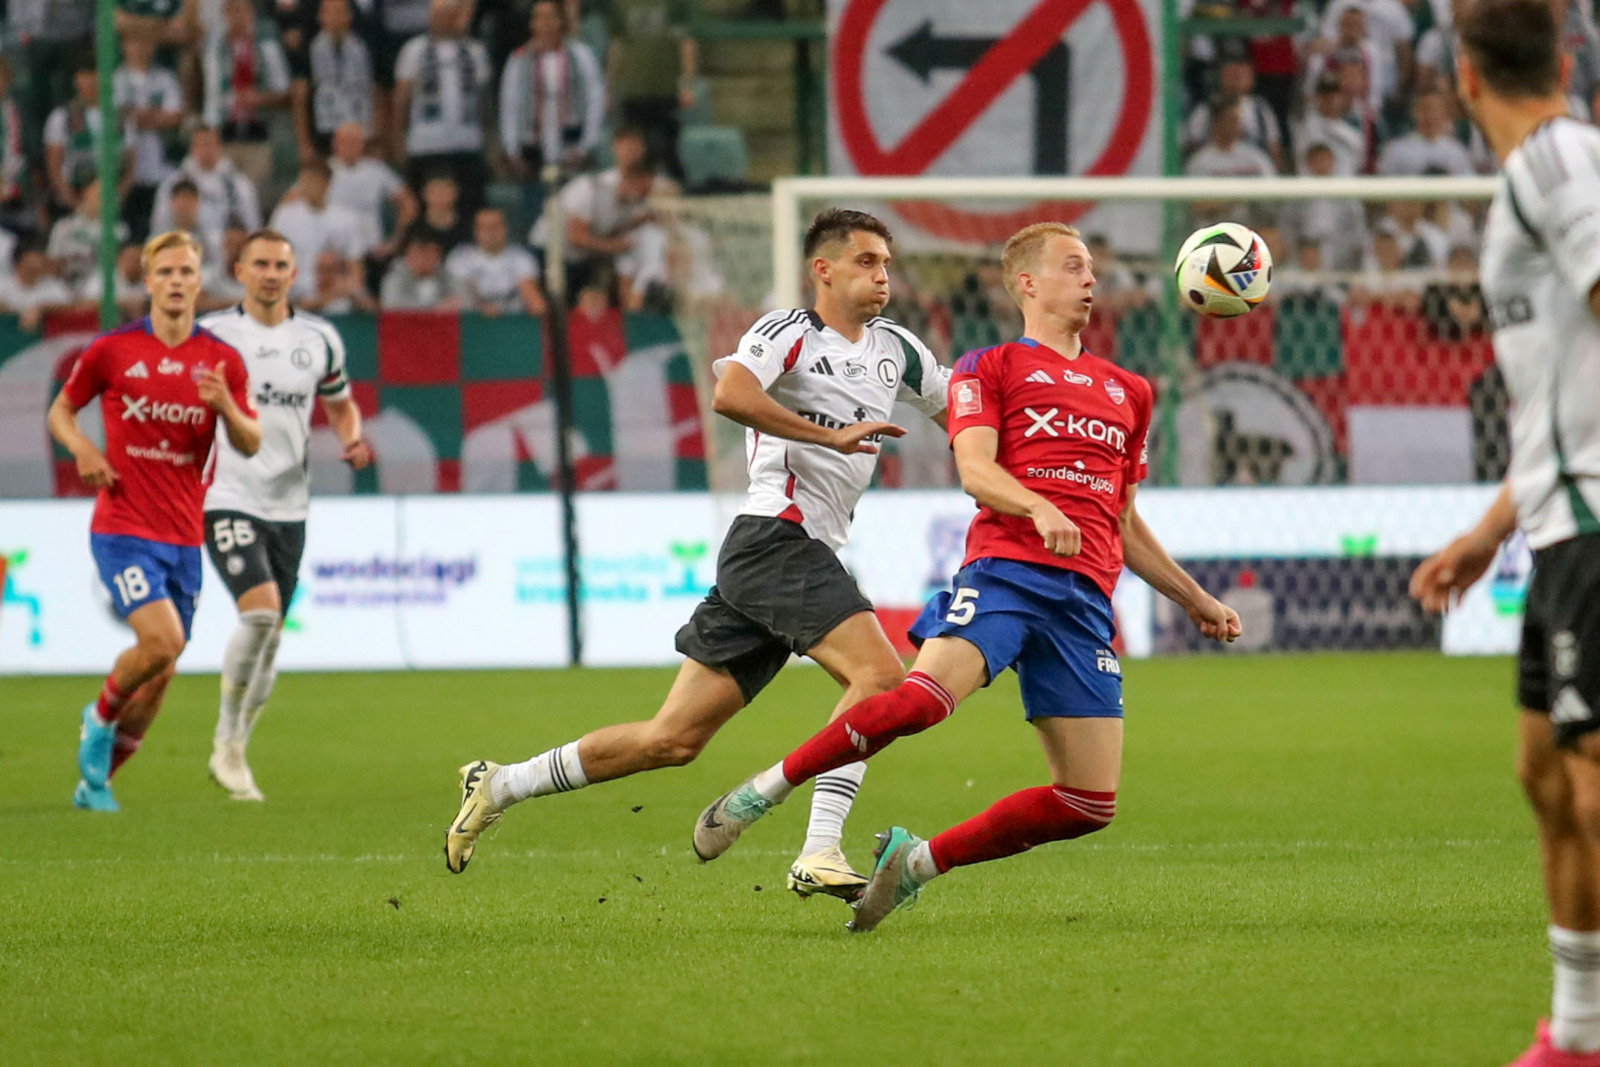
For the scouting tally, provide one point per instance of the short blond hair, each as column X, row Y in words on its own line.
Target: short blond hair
column 1021, row 253
column 171, row 239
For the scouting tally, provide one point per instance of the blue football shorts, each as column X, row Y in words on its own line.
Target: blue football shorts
column 137, row 572
column 1054, row 626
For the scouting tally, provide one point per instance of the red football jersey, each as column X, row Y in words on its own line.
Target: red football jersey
column 159, row 432
column 1073, row 431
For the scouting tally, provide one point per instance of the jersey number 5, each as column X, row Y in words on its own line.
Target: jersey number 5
column 230, row 532
column 963, row 606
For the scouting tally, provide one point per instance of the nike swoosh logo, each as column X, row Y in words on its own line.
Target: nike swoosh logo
column 710, row 822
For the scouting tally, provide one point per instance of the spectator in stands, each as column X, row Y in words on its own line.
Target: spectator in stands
column 337, row 87
column 75, row 239
column 150, row 102
column 1117, row 288
column 33, row 290
column 312, row 224
column 16, row 212
column 187, row 212
column 174, row 23
column 1453, row 305
column 367, row 186
column 1354, row 47
column 1423, row 246
column 1227, row 154
column 338, row 288
column 1384, row 281
column 53, row 34
column 552, row 97
column 1388, row 25
column 442, row 87
column 245, row 77
column 492, row 276
column 127, row 285
column 1305, row 279
column 442, row 219
column 397, row 22
column 1327, row 122
column 1582, row 40
column 417, row 280
column 296, row 22
column 610, row 223
column 1430, row 148
column 71, row 142
column 225, row 195
column 219, row 285
column 1236, row 85
column 1436, row 55
column 1337, row 225
column 1274, row 59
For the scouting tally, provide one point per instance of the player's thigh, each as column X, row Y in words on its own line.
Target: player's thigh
column 237, row 544
column 858, row 652
column 1540, row 766
column 263, row 597
column 139, row 573
column 725, row 642
column 955, row 663
column 701, row 701
column 1082, row 753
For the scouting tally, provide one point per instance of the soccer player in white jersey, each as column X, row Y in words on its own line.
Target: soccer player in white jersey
column 814, row 389
column 1541, row 280
column 256, row 506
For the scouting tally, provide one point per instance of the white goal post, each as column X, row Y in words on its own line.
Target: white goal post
column 790, row 194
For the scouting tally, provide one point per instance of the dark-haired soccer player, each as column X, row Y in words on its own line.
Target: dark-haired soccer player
column 1050, row 441
column 814, row 388
column 1541, row 280
column 164, row 385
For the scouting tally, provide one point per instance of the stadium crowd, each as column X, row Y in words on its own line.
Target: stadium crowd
column 400, row 144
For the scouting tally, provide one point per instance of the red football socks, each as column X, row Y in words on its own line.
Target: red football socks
column 918, row 703
column 123, row 746
column 109, row 706
column 1022, row 820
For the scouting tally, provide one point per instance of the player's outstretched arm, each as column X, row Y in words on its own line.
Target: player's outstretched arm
column 1148, row 558
column 1441, row 578
column 991, row 485
column 244, row 432
column 93, row 467
column 739, row 397
column 345, row 418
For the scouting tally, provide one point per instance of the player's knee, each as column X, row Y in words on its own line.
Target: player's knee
column 880, row 677
column 1544, row 782
column 161, row 652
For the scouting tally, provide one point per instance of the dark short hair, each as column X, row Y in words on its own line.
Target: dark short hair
column 837, row 224
column 1514, row 45
column 184, row 185
column 264, row 234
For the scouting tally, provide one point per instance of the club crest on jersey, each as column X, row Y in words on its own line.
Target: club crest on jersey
column 1074, row 378
column 1114, row 388
column 196, row 372
column 969, row 398
column 168, row 365
column 301, row 358
column 138, row 370
column 759, row 352
column 888, row 373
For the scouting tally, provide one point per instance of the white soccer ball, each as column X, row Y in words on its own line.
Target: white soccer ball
column 1223, row 270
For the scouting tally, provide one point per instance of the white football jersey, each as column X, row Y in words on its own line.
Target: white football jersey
column 291, row 365
column 1541, row 258
column 819, row 375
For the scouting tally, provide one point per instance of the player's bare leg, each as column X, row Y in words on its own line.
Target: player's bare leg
column 248, row 665
column 1564, row 791
column 858, row 655
column 158, row 641
column 700, row 703
column 947, row 671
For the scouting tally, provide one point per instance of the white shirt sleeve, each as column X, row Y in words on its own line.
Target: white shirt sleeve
column 409, row 59
column 524, row 265
column 758, row 351
column 926, row 382
column 1570, row 222
column 335, row 385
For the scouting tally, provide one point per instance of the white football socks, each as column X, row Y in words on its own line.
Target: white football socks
column 771, row 784
column 261, row 683
column 556, row 771
column 1575, row 1003
column 920, row 863
column 239, row 660
column 832, row 794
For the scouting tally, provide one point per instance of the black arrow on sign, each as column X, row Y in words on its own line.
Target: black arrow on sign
column 922, row 53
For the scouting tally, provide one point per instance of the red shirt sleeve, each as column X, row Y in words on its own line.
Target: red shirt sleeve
column 975, row 391
column 1139, row 455
column 88, row 377
column 238, row 376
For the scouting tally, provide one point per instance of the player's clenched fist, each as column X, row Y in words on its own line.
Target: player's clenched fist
column 95, row 469
column 214, row 390
column 1216, row 620
column 1061, row 535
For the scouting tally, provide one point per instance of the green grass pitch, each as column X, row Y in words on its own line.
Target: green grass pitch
column 1316, row 861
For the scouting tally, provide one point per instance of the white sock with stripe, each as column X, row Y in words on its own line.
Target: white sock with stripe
column 832, row 795
column 556, row 771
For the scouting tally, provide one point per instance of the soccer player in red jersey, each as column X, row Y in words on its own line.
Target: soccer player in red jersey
column 1051, row 442
column 164, row 384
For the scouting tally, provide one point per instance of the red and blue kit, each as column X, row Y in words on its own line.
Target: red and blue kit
column 159, row 437
column 1074, row 431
